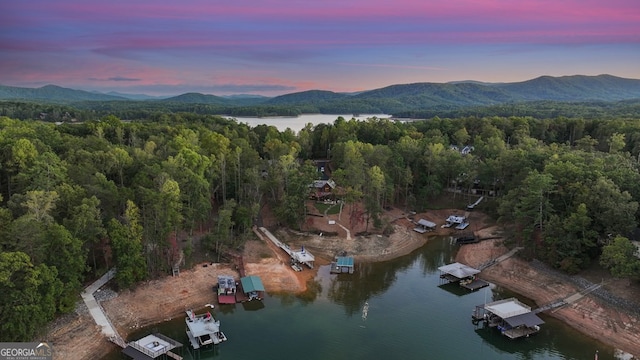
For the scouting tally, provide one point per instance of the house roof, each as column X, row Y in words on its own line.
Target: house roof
column 251, row 283
column 322, row 183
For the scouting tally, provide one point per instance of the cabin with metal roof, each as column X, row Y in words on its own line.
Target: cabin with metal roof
column 252, row 286
column 343, row 265
column 510, row 316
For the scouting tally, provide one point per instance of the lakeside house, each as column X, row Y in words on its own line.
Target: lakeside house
column 322, row 189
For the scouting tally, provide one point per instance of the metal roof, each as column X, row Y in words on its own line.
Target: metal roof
column 344, row 261
column 459, row 270
column 528, row 319
column 251, row 283
column 507, row 308
column 426, row 223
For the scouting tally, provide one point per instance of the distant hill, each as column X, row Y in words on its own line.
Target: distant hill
column 574, row 88
column 136, row 96
column 311, row 97
column 404, row 98
column 53, row 93
column 197, row 98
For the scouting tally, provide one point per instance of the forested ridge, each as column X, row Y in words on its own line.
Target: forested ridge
column 589, row 97
column 79, row 198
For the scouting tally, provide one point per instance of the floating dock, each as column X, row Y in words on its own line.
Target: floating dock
column 459, row 222
column 301, row 256
column 465, row 275
column 513, row 318
column 151, row 347
column 227, row 289
column 343, row 265
column 203, row 330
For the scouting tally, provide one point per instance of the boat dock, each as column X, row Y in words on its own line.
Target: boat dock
column 203, row 330
column 465, row 275
column 151, row 347
column 301, row 256
column 227, row 289
column 342, row 265
column 513, row 318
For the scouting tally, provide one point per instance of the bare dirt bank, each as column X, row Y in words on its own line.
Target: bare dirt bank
column 76, row 336
column 590, row 315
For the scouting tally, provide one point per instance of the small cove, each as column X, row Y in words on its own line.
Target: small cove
column 411, row 315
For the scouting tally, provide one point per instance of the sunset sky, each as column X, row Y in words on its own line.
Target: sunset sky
column 272, row 47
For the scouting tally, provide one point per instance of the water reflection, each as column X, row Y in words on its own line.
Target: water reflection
column 409, row 314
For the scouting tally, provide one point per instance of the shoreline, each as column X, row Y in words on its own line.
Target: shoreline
column 76, row 336
column 589, row 315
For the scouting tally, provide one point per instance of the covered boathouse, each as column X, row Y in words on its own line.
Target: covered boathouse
column 422, row 226
column 252, row 287
column 513, row 318
column 465, row 275
column 343, row 265
column 153, row 346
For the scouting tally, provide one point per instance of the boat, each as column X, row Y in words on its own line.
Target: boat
column 203, row 330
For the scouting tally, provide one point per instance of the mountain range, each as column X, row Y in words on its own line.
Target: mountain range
column 390, row 99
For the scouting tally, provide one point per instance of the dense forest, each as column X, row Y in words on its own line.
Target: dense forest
column 79, row 198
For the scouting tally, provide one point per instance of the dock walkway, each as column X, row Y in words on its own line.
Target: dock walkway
column 555, row 305
column 302, row 256
column 97, row 312
column 499, row 258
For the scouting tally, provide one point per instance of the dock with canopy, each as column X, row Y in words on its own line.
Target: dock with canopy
column 463, row 274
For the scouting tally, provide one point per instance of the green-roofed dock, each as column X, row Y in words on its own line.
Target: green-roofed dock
column 343, row 265
column 252, row 287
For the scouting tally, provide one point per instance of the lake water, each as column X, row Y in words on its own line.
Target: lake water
column 299, row 122
column 411, row 315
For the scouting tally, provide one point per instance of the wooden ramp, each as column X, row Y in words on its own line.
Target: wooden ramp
column 499, row 258
column 568, row 300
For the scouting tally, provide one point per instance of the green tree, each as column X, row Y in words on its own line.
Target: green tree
column 126, row 240
column 85, row 222
column 28, row 294
column 66, row 253
column 374, row 189
column 620, row 258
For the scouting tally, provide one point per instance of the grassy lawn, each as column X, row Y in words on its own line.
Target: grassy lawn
column 333, row 209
